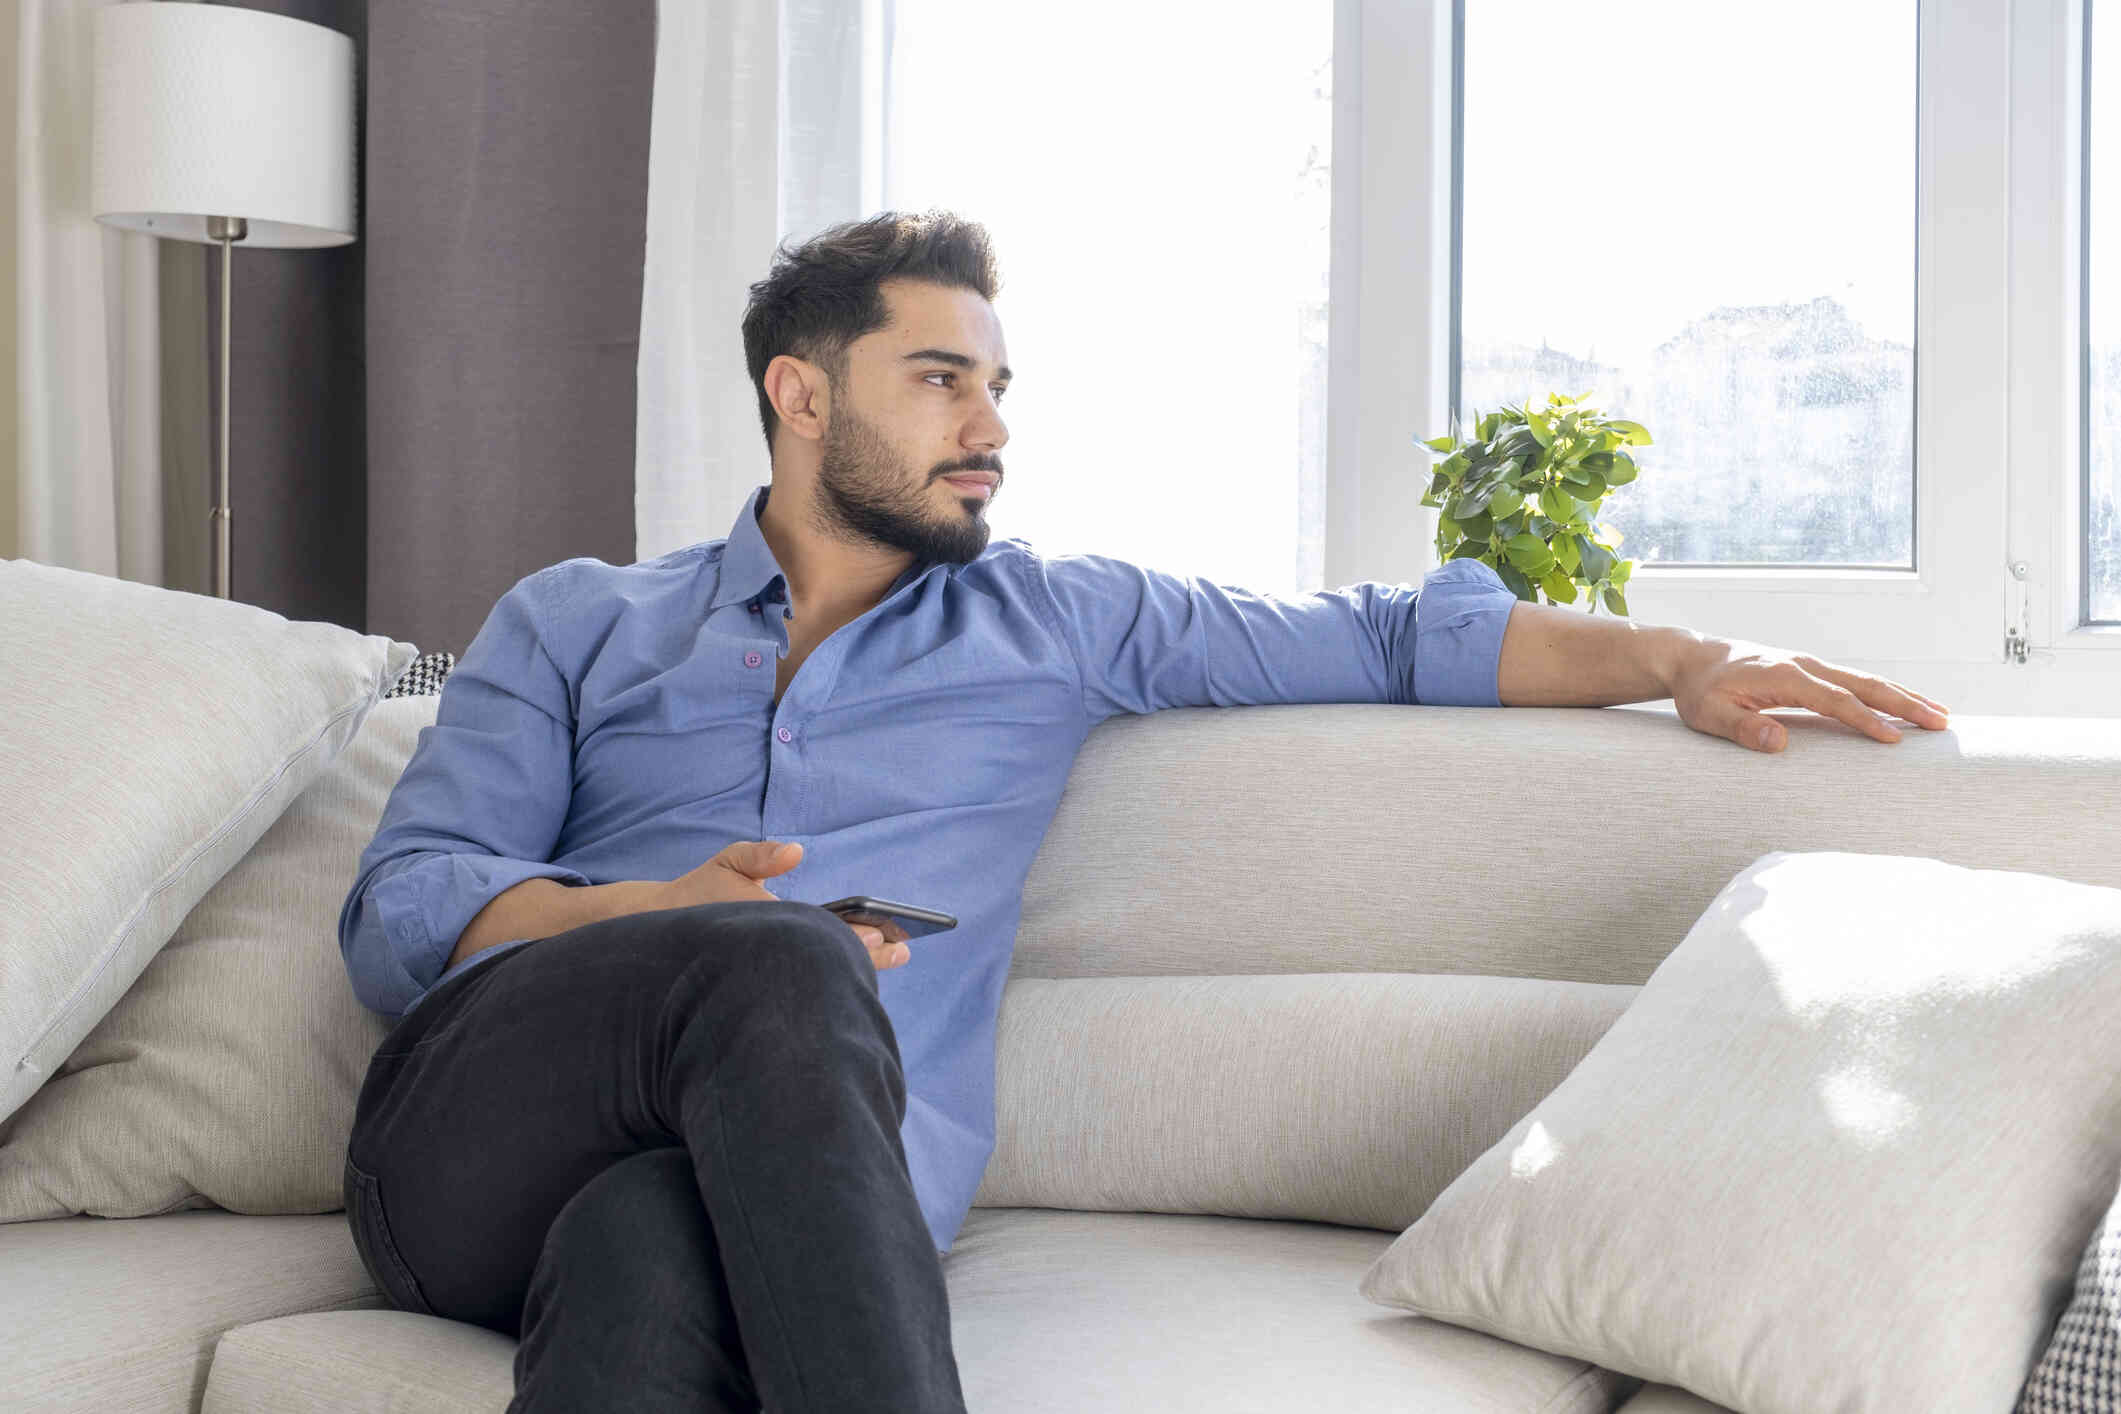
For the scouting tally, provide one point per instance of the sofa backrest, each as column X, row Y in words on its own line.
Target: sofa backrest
column 1570, row 843
column 1521, row 870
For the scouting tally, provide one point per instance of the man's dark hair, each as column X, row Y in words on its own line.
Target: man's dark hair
column 822, row 295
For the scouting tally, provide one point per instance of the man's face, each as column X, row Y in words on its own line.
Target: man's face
column 910, row 413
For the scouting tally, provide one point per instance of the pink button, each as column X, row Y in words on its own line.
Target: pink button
column 752, row 660
column 785, row 735
column 754, row 608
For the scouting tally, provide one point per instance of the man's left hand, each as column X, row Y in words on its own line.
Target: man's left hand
column 1722, row 687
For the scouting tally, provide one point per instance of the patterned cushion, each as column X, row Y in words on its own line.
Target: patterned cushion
column 2081, row 1372
column 424, row 676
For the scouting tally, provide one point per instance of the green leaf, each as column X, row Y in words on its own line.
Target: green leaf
column 1519, row 585
column 1624, row 469
column 1597, row 560
column 1439, row 484
column 1525, row 544
column 1615, row 601
column 1542, row 430
column 1509, row 525
column 1472, row 549
column 1479, row 527
column 1556, row 504
column 1565, row 554
column 1622, row 570
column 1536, row 565
column 1585, row 486
column 1633, row 432
column 1559, row 587
column 1441, row 444
column 1446, row 529
column 1505, row 501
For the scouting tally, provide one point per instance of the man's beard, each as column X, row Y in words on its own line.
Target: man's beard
column 866, row 495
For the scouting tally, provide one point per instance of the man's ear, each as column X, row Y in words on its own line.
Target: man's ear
column 799, row 394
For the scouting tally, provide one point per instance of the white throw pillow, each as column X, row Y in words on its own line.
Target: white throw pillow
column 1843, row 1151
column 150, row 737
column 227, row 1076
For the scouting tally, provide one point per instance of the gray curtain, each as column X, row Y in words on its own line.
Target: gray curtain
column 427, row 415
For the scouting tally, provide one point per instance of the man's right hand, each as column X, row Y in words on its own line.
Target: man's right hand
column 737, row 874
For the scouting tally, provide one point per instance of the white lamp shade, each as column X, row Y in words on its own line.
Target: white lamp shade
column 211, row 110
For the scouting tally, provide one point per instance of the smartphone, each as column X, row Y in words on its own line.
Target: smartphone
column 918, row 922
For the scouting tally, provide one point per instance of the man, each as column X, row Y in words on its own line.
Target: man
column 696, row 1143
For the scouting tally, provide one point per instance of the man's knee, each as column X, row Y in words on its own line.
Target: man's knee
column 788, row 936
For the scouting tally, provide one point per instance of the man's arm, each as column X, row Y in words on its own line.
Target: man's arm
column 1145, row 639
column 475, row 812
column 539, row 908
column 1556, row 657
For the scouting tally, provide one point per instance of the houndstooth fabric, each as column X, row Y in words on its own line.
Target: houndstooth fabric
column 423, row 675
column 2081, row 1371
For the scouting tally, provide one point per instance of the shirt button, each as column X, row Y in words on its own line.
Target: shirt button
column 785, row 735
column 752, row 660
column 754, row 608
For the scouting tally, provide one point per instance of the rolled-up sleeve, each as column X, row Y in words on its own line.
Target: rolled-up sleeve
column 1145, row 639
column 476, row 811
column 1460, row 619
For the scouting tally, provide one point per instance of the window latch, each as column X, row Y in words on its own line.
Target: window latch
column 2014, row 635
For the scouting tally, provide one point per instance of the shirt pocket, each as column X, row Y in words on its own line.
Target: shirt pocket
column 686, row 740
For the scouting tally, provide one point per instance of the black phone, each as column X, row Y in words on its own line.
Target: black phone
column 918, row 922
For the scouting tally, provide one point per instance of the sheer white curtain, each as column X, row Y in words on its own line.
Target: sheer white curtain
column 755, row 136
column 86, row 395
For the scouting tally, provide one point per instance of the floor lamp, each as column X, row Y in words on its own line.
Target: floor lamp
column 217, row 124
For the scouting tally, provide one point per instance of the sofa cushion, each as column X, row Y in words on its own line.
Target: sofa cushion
column 99, row 1316
column 1357, row 837
column 1843, row 1152
column 151, row 736
column 2080, row 1373
column 1346, row 1097
column 395, row 1360
column 227, row 1075
column 1050, row 1313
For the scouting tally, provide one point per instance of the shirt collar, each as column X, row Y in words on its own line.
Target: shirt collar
column 749, row 568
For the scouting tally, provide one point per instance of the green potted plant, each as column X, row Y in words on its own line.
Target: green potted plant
column 1521, row 495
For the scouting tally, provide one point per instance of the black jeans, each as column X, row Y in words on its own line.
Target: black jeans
column 662, row 1152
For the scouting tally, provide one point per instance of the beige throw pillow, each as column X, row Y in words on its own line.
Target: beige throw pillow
column 227, row 1076
column 150, row 736
column 1842, row 1152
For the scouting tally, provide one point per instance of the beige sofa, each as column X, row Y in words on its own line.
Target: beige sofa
column 1283, row 973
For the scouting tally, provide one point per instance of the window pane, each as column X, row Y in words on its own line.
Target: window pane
column 1703, row 216
column 2102, row 307
column 1156, row 179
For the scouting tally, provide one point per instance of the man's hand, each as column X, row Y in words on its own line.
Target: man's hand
column 1722, row 686
column 738, row 873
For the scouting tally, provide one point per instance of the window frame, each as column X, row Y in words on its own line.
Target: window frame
column 1998, row 476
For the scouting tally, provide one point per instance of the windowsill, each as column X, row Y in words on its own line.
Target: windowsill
column 1769, row 579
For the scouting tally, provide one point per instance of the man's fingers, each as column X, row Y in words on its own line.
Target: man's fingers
column 1885, row 694
column 1830, row 700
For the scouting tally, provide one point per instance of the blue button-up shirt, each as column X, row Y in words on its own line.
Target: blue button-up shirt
column 617, row 722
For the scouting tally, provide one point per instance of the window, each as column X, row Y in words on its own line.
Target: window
column 1704, row 219
column 1157, row 180
column 2101, row 436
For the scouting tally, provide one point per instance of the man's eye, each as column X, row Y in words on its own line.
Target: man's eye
column 999, row 388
